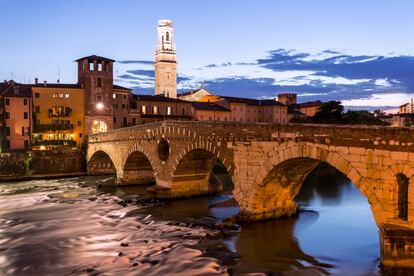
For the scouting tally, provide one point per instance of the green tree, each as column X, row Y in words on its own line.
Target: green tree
column 329, row 113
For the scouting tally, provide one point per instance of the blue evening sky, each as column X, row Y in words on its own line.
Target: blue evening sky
column 360, row 52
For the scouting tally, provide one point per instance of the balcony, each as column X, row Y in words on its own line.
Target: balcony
column 67, row 112
column 70, row 143
column 52, row 127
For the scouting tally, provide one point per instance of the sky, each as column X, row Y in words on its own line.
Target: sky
column 359, row 52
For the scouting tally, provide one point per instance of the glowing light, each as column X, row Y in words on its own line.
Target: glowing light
column 99, row 105
column 42, row 147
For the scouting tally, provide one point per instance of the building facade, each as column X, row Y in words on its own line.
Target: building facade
column 59, row 114
column 148, row 109
column 16, row 116
column 251, row 110
column 194, row 95
column 165, row 61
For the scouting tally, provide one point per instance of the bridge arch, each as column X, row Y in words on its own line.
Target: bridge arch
column 100, row 163
column 282, row 174
column 138, row 167
column 192, row 171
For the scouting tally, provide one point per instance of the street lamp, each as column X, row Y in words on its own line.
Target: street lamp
column 99, row 106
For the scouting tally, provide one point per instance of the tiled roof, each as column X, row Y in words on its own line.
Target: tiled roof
column 12, row 89
column 208, row 106
column 121, row 87
column 308, row 104
column 157, row 99
column 253, row 102
column 57, row 85
column 95, row 57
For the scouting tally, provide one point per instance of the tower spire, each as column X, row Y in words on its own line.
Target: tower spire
column 165, row 60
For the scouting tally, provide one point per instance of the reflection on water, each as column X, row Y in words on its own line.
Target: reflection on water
column 58, row 228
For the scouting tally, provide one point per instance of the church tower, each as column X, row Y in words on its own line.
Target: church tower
column 165, row 61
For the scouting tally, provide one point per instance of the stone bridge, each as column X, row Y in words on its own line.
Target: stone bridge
column 268, row 164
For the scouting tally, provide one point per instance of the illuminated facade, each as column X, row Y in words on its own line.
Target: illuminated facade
column 59, row 114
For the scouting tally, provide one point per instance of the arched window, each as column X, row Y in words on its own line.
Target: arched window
column 99, row 126
column 167, row 36
column 402, row 182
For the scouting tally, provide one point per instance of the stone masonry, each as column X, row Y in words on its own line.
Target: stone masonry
column 268, row 164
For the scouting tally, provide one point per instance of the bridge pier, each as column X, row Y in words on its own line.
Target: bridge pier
column 397, row 246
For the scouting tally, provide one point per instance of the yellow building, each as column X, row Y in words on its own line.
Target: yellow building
column 59, row 114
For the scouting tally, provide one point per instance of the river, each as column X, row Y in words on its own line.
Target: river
column 85, row 226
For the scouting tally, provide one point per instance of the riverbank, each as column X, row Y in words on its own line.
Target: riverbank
column 49, row 176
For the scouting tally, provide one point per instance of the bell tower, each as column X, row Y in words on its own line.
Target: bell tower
column 165, row 61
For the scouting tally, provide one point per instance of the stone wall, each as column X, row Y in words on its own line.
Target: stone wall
column 41, row 163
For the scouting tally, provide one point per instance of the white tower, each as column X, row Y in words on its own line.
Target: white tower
column 165, row 61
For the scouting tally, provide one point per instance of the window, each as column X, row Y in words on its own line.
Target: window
column 123, row 106
column 25, row 101
column 124, row 121
column 201, row 116
column 91, row 66
column 209, row 118
column 167, row 36
column 26, row 144
column 114, row 120
column 114, row 96
column 169, row 110
column 99, row 82
column 67, row 95
column 225, row 119
column 99, row 66
column 7, row 131
column 182, row 111
column 143, row 109
column 403, row 184
column 80, row 135
column 107, row 67
column 61, row 95
column 115, row 106
column 7, row 144
column 155, row 109
column 98, row 97
column 22, row 131
column 55, row 95
column 7, row 115
column 134, row 121
column 7, row 101
column 37, row 109
column 79, row 123
column 37, row 95
column 125, row 96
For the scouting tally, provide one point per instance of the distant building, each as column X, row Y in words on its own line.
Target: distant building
column 165, row 61
column 299, row 109
column 194, row 95
column 308, row 108
column 403, row 120
column 251, row 110
column 59, row 111
column 148, row 109
column 208, row 111
column 407, row 108
column 15, row 116
column 287, row 98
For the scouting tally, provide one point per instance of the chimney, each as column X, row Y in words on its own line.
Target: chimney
column 36, row 80
column 44, row 83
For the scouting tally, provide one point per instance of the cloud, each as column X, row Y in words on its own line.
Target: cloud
column 357, row 80
column 146, row 62
column 142, row 72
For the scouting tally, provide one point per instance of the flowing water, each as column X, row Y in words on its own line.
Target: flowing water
column 82, row 226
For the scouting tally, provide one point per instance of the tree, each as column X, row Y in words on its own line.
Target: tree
column 329, row 113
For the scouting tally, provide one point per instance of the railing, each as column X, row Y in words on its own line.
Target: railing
column 340, row 135
column 52, row 127
column 54, row 143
